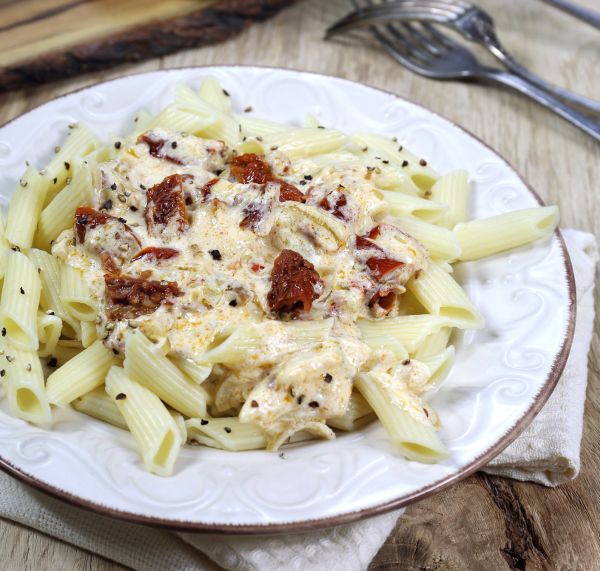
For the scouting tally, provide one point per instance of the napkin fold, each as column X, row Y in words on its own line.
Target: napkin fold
column 547, row 453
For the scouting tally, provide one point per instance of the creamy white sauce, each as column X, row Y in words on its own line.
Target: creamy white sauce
column 224, row 274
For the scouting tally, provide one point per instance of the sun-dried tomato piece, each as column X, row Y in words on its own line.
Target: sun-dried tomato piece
column 113, row 244
column 87, row 218
column 363, row 243
column 253, row 168
column 293, row 283
column 128, row 297
column 207, row 188
column 385, row 301
column 255, row 267
column 158, row 148
column 334, row 205
column 154, row 253
column 165, row 202
column 380, row 267
column 109, row 264
column 290, row 192
column 374, row 232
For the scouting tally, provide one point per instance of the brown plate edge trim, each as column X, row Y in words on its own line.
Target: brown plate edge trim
column 311, row 524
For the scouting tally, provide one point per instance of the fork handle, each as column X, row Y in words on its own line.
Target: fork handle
column 584, row 14
column 517, row 83
column 494, row 46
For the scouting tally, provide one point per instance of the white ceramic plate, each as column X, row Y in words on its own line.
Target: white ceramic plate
column 503, row 373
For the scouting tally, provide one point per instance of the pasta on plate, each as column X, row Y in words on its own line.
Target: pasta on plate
column 220, row 279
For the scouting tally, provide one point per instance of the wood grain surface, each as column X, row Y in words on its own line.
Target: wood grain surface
column 483, row 522
column 47, row 40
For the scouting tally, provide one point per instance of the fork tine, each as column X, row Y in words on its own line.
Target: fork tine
column 438, row 36
column 417, row 39
column 370, row 14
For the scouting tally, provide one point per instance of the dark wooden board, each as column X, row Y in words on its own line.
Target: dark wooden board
column 42, row 41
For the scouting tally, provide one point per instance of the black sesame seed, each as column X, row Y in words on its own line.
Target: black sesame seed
column 118, row 145
column 115, row 351
column 227, row 429
column 133, row 208
column 313, row 404
column 400, row 148
column 254, row 404
column 4, row 332
column 406, row 362
column 226, row 93
column 203, row 422
column 107, row 205
column 16, row 249
column 22, row 291
column 113, row 186
column 121, row 396
column 52, row 362
column 188, row 200
column 233, row 303
column 385, row 162
column 174, row 145
column 404, row 163
column 300, row 399
column 423, row 162
column 215, row 254
column 320, row 127
column 67, row 165
column 122, row 220
column 302, row 182
column 327, row 378
column 50, row 312
column 308, row 176
column 55, row 180
column 248, row 109
column 142, row 187
column 2, row 373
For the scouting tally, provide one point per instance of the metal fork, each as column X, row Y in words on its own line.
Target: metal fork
column 426, row 51
column 473, row 23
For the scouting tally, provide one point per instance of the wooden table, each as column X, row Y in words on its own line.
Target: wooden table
column 483, row 522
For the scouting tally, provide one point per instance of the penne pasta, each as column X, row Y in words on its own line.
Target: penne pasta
column 24, row 386
column 212, row 432
column 212, row 92
column 146, row 364
column 441, row 295
column 488, row 236
column 406, row 331
column 58, row 214
column 441, row 242
column 25, row 208
column 452, row 190
column 48, row 268
column 406, row 205
column 381, row 148
column 98, row 404
column 358, row 414
column 48, row 328
column 79, row 375
column 155, row 431
column 75, row 294
column 19, row 302
column 414, row 440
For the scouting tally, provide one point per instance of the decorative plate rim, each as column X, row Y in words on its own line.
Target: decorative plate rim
column 310, row 524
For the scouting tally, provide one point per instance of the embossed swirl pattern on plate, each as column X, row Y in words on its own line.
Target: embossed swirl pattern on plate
column 497, row 375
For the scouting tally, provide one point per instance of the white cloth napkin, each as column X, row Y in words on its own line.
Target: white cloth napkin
column 547, row 453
